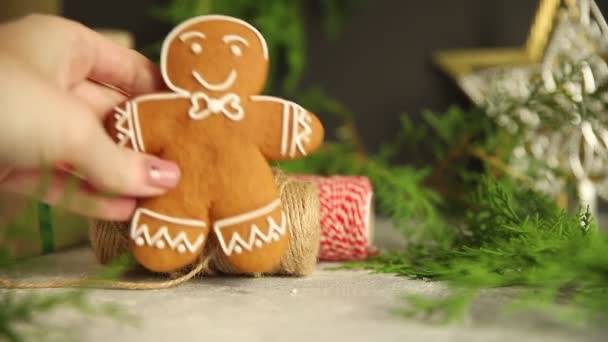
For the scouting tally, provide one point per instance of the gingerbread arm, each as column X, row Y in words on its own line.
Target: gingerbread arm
column 123, row 127
column 283, row 130
column 134, row 123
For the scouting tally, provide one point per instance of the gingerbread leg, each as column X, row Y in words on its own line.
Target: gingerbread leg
column 255, row 240
column 166, row 242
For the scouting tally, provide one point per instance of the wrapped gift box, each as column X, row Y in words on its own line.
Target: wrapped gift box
column 28, row 227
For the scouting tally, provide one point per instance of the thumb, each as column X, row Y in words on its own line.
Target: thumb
column 119, row 170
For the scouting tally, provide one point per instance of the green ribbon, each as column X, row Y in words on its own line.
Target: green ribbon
column 45, row 224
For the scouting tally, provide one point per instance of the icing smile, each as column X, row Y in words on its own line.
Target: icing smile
column 227, row 83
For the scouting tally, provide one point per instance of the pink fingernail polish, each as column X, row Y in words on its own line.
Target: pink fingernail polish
column 163, row 173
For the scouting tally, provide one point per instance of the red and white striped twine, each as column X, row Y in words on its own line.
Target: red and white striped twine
column 346, row 217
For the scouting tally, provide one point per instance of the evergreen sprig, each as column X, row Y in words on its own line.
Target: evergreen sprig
column 512, row 237
column 503, row 234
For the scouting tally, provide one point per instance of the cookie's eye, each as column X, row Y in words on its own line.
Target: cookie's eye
column 235, row 43
column 236, row 50
column 196, row 48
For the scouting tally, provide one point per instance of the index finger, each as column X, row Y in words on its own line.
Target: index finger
column 121, row 67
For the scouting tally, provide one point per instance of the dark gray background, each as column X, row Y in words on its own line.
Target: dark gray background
column 381, row 64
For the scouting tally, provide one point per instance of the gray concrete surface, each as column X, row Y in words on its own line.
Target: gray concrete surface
column 331, row 305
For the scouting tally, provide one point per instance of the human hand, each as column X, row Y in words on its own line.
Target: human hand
column 54, row 97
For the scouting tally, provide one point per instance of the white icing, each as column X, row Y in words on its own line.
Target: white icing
column 301, row 130
column 285, row 130
column 196, row 48
column 256, row 237
column 229, row 38
column 141, row 234
column 170, row 219
column 127, row 121
column 224, row 85
column 127, row 126
column 191, row 34
column 159, row 96
column 176, row 31
column 229, row 105
column 236, row 50
column 300, row 122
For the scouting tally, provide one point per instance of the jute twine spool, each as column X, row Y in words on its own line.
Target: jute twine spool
column 301, row 205
column 110, row 240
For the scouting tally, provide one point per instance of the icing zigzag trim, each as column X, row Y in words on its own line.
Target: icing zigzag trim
column 301, row 130
column 141, row 234
column 256, row 237
column 127, row 127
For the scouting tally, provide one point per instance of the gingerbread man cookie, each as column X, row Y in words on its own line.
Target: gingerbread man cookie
column 221, row 132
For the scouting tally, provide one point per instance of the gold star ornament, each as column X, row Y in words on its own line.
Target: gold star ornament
column 563, row 61
column 460, row 63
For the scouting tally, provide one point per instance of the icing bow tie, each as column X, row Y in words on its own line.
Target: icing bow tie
column 228, row 105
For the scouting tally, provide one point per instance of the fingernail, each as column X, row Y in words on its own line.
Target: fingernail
column 163, row 173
